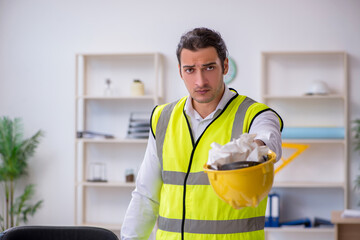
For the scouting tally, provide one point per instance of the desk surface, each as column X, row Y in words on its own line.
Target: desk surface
column 336, row 218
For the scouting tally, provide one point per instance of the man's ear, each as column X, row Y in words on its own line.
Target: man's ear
column 226, row 66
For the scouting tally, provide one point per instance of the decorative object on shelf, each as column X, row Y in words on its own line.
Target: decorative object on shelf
column 137, row 88
column 129, row 175
column 231, row 74
column 108, row 91
column 90, row 134
column 318, row 87
column 299, row 149
column 97, row 172
column 356, row 130
column 14, row 154
column 139, row 125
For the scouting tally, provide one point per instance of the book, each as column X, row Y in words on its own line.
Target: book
column 91, row 134
column 139, row 125
column 313, row 132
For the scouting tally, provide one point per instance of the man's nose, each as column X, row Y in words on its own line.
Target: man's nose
column 200, row 79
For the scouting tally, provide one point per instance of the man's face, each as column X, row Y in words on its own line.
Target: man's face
column 202, row 74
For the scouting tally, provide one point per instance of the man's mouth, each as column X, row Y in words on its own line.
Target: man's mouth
column 202, row 91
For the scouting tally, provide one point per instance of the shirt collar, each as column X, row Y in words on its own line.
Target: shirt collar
column 192, row 113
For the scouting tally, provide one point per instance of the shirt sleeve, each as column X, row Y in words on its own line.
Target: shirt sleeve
column 143, row 209
column 267, row 128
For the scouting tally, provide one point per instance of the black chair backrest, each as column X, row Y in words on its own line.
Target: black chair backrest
column 57, row 233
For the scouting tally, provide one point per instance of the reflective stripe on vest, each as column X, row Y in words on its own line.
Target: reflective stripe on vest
column 213, row 227
column 161, row 127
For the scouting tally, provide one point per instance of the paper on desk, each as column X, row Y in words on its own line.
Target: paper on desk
column 351, row 213
column 241, row 149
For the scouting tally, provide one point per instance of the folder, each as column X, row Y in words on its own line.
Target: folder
column 275, row 210
column 272, row 213
column 267, row 213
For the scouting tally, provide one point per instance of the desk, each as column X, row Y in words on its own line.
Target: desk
column 345, row 228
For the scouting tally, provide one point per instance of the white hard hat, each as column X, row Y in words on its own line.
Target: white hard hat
column 318, row 87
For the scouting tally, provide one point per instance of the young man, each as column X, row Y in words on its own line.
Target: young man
column 171, row 187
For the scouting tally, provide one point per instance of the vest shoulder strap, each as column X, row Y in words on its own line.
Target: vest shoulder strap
column 159, row 123
column 239, row 120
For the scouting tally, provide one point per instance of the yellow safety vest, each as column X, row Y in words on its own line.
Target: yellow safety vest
column 189, row 208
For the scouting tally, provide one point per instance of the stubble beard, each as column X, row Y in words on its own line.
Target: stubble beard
column 212, row 97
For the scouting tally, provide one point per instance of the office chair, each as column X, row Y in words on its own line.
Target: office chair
column 57, row 233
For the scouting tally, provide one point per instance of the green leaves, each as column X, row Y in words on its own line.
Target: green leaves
column 356, row 130
column 14, row 150
column 14, row 154
column 22, row 208
column 357, row 183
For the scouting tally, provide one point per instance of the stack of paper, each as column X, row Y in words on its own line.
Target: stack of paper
column 139, row 125
column 351, row 213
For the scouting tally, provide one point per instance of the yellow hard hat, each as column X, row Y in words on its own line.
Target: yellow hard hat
column 244, row 187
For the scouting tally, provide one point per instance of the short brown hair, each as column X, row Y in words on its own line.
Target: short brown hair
column 199, row 38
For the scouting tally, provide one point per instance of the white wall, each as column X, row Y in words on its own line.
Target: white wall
column 39, row 38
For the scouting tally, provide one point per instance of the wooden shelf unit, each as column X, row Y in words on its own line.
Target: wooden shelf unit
column 103, row 204
column 286, row 80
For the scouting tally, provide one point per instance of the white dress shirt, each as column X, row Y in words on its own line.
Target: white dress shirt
column 143, row 210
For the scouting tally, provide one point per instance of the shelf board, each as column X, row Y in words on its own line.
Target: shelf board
column 145, row 97
column 314, row 141
column 113, row 227
column 130, row 54
column 309, row 185
column 115, row 140
column 304, row 97
column 303, row 52
column 300, row 230
column 107, row 184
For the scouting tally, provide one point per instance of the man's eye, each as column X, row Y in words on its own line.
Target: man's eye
column 210, row 68
column 189, row 70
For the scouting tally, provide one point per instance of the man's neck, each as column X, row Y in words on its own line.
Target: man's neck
column 204, row 109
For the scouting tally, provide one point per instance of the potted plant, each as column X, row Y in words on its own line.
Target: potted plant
column 356, row 129
column 14, row 154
